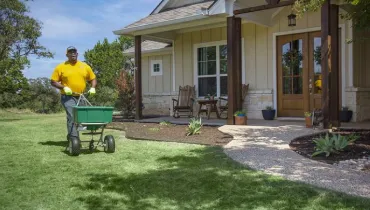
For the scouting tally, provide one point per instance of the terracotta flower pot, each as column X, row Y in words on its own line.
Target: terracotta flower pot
column 240, row 120
column 308, row 122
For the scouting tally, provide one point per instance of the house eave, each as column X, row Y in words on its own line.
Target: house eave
column 130, row 31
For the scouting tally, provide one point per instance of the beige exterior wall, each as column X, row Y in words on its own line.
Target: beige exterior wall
column 157, row 88
column 157, row 84
column 361, row 61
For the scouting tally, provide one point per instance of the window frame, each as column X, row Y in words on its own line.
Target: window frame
column 154, row 62
column 218, row 75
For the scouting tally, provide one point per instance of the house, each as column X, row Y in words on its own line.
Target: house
column 208, row 43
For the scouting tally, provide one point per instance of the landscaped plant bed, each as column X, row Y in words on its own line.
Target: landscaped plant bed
column 359, row 149
column 209, row 135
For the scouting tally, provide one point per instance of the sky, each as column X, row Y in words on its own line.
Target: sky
column 80, row 23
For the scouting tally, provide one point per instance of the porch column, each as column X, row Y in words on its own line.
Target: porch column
column 330, row 64
column 234, row 79
column 334, row 66
column 138, row 85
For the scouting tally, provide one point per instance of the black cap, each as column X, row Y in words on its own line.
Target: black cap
column 71, row 48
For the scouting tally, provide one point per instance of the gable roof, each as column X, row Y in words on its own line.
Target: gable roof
column 167, row 16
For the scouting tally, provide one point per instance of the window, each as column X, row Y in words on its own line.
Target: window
column 211, row 70
column 156, row 67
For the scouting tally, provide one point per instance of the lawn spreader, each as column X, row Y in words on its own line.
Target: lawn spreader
column 93, row 119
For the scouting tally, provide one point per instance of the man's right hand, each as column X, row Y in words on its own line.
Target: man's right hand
column 67, row 90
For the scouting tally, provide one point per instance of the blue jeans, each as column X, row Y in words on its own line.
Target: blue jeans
column 68, row 102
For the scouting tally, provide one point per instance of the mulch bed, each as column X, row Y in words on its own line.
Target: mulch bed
column 209, row 135
column 359, row 149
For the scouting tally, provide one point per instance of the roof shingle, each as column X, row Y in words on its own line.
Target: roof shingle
column 173, row 14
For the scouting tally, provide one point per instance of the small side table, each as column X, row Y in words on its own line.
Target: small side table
column 212, row 108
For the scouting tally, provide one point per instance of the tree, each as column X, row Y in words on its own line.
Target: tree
column 19, row 35
column 357, row 10
column 41, row 96
column 107, row 59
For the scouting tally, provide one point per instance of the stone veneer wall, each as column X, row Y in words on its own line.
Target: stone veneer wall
column 255, row 101
column 358, row 100
column 158, row 104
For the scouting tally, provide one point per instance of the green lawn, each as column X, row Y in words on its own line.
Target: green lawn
column 36, row 174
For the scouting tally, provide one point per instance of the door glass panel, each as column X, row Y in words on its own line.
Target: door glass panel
column 287, row 85
column 297, row 85
column 317, row 64
column 285, row 60
column 292, row 61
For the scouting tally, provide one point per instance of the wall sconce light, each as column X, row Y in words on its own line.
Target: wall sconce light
column 292, row 19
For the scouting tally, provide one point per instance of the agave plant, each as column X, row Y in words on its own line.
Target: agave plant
column 324, row 145
column 340, row 142
column 333, row 144
column 194, row 126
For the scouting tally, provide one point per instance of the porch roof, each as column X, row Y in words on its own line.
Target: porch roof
column 148, row 46
column 166, row 17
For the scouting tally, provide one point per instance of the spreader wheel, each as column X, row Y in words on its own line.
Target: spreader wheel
column 74, row 146
column 91, row 146
column 109, row 144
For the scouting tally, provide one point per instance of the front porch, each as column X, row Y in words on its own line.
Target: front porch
column 251, row 123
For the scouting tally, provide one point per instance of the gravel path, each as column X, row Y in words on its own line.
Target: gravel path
column 267, row 149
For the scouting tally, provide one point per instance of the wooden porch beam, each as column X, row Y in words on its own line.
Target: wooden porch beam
column 138, row 83
column 264, row 7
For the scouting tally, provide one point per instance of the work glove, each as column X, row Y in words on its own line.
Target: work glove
column 67, row 90
column 92, row 91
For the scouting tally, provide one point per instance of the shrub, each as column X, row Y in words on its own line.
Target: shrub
column 194, row 126
column 126, row 88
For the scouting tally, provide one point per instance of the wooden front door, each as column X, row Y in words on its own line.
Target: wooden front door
column 293, row 96
column 299, row 73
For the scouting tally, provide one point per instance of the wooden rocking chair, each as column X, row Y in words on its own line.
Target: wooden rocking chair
column 225, row 107
column 184, row 102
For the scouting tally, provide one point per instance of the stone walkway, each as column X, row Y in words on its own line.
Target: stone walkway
column 266, row 148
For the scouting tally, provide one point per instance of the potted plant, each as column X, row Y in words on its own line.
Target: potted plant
column 210, row 96
column 345, row 114
column 240, row 118
column 268, row 113
column 308, row 119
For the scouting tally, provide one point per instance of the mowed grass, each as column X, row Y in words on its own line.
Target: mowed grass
column 35, row 173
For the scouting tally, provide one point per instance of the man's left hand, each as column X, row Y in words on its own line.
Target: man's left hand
column 92, row 91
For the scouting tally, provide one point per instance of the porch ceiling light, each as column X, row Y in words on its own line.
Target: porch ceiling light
column 292, row 19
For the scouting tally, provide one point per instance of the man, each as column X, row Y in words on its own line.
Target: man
column 70, row 78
